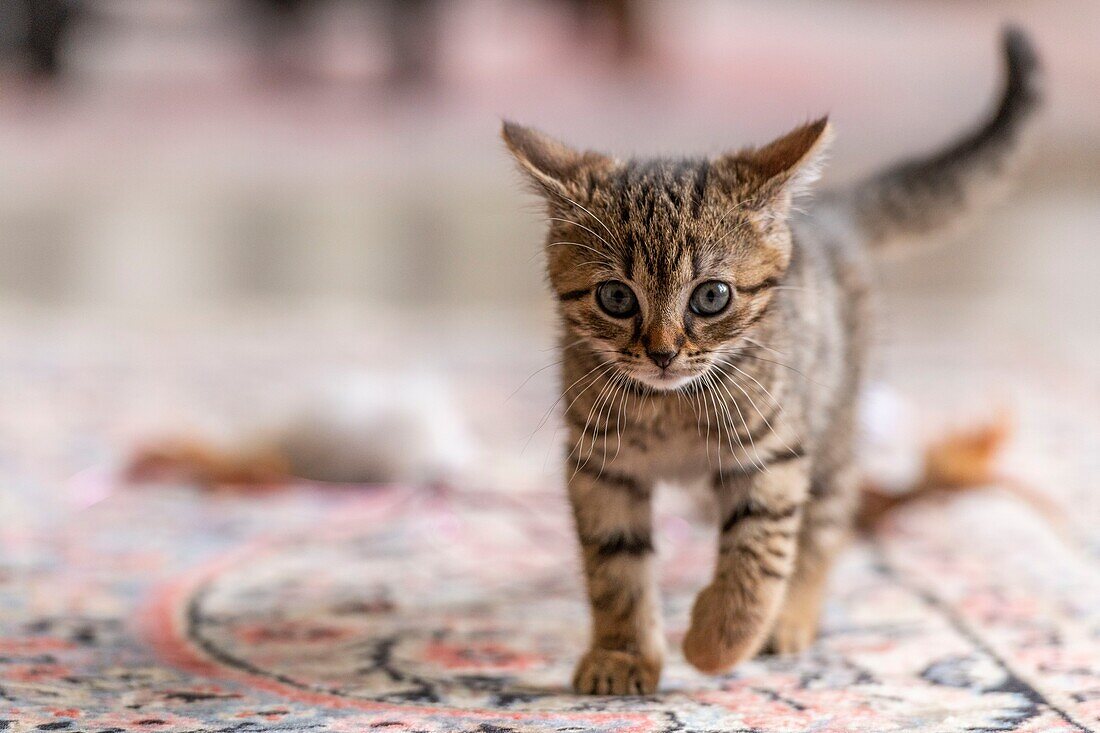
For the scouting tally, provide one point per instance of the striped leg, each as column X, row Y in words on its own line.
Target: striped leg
column 826, row 526
column 614, row 522
column 761, row 515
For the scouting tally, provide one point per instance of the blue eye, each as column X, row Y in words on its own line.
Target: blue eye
column 617, row 299
column 710, row 298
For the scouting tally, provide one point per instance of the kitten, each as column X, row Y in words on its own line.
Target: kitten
column 710, row 328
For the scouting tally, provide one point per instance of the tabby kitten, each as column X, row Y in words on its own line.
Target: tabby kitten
column 711, row 329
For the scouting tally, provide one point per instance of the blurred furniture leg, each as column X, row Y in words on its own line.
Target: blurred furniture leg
column 620, row 17
column 279, row 23
column 624, row 16
column 47, row 22
column 413, row 34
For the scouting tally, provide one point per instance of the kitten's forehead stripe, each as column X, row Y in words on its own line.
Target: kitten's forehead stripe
column 628, row 255
column 702, row 171
column 696, row 262
column 659, row 203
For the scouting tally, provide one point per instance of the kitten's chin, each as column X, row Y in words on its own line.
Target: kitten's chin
column 664, row 382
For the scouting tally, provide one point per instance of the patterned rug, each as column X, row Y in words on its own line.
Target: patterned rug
column 411, row 609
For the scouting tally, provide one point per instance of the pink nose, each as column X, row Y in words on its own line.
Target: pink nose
column 662, row 358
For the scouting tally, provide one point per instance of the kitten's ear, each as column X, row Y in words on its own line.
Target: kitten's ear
column 783, row 168
column 552, row 165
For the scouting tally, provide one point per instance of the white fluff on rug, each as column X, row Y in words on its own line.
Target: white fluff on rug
column 374, row 428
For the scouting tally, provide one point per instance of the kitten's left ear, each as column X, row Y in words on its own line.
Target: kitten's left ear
column 552, row 165
column 782, row 169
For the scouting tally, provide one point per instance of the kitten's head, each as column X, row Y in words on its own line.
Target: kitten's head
column 662, row 265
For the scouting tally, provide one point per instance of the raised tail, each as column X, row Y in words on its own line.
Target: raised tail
column 923, row 195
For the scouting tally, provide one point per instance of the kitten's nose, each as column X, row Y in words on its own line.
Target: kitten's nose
column 662, row 358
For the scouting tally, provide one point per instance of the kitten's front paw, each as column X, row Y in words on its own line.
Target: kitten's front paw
column 609, row 672
column 717, row 639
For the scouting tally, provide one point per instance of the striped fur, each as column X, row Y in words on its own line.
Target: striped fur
column 759, row 398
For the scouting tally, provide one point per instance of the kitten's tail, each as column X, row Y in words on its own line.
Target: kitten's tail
column 917, row 197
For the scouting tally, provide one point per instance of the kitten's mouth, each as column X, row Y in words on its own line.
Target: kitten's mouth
column 664, row 380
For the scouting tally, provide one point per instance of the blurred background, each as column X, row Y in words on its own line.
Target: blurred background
column 322, row 180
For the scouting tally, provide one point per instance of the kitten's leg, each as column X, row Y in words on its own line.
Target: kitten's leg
column 826, row 526
column 614, row 522
column 761, row 513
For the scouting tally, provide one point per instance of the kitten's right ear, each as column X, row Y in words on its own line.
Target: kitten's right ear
column 779, row 171
column 552, row 165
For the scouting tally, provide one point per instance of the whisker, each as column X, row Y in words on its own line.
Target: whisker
column 615, row 382
column 759, row 462
column 607, row 366
column 623, row 405
column 602, row 399
column 744, row 355
column 718, row 424
column 721, row 415
column 530, row 377
column 582, row 226
column 777, row 403
column 588, row 419
column 606, row 272
column 736, row 230
column 759, row 345
column 694, row 399
column 706, row 413
column 737, row 206
column 621, row 393
column 546, row 416
column 606, row 257
column 569, row 345
column 598, row 219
